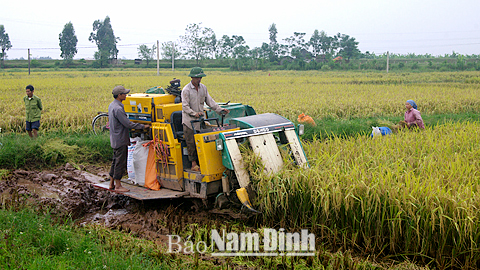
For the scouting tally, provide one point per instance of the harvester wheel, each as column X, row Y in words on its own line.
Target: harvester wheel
column 200, row 204
column 222, row 201
column 100, row 124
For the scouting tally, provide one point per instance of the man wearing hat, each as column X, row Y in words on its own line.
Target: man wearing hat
column 119, row 136
column 194, row 95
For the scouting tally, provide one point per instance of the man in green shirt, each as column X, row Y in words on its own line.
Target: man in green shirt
column 33, row 108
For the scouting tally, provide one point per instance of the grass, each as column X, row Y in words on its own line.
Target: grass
column 33, row 241
column 52, row 149
column 30, row 240
column 347, row 127
column 3, row 173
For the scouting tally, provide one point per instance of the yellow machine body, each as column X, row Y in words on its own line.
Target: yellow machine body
column 209, row 158
column 171, row 157
column 164, row 111
column 140, row 108
column 170, row 163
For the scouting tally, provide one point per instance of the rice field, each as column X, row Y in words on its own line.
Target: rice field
column 72, row 98
column 411, row 195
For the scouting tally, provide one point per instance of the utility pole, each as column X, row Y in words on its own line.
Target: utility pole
column 388, row 60
column 158, row 59
column 173, row 56
column 29, row 61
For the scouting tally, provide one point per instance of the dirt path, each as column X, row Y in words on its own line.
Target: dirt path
column 69, row 192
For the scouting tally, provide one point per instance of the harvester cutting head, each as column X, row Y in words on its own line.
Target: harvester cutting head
column 264, row 132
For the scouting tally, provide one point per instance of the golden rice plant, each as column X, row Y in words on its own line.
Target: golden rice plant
column 413, row 194
column 72, row 98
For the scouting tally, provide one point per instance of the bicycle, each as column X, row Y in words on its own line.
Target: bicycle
column 100, row 124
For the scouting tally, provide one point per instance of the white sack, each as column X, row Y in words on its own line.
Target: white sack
column 140, row 156
column 130, row 168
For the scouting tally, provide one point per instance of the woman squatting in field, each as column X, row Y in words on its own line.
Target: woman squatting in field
column 412, row 116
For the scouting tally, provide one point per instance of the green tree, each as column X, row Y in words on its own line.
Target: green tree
column 4, row 42
column 461, row 62
column 329, row 44
column 315, row 43
column 321, row 43
column 105, row 40
column 264, row 52
column 255, row 56
column 240, row 49
column 272, row 30
column 225, row 47
column 169, row 49
column 198, row 42
column 347, row 46
column 296, row 44
column 236, row 51
column 213, row 44
column 68, row 42
column 273, row 46
column 146, row 53
column 369, row 55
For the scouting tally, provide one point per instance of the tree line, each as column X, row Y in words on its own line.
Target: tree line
column 201, row 43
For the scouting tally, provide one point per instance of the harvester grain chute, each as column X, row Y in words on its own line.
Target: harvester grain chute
column 222, row 169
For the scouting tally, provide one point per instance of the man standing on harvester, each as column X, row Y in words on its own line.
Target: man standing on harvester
column 194, row 95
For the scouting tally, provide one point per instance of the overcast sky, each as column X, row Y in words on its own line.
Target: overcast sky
column 435, row 27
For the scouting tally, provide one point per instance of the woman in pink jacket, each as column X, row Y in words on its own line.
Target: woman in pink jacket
column 412, row 115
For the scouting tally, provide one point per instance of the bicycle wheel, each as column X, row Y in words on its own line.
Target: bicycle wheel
column 100, row 124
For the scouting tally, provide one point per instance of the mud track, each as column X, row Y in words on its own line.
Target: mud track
column 68, row 192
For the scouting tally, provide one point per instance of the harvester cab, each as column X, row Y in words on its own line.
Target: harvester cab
column 222, row 169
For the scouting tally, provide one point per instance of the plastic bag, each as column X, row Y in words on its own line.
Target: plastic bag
column 151, row 170
column 380, row 131
column 303, row 118
column 155, row 90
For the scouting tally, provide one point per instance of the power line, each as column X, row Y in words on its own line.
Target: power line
column 80, row 47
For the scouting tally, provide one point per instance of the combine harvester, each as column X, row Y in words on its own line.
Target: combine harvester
column 222, row 170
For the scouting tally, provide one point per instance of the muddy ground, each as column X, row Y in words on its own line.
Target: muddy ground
column 68, row 191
